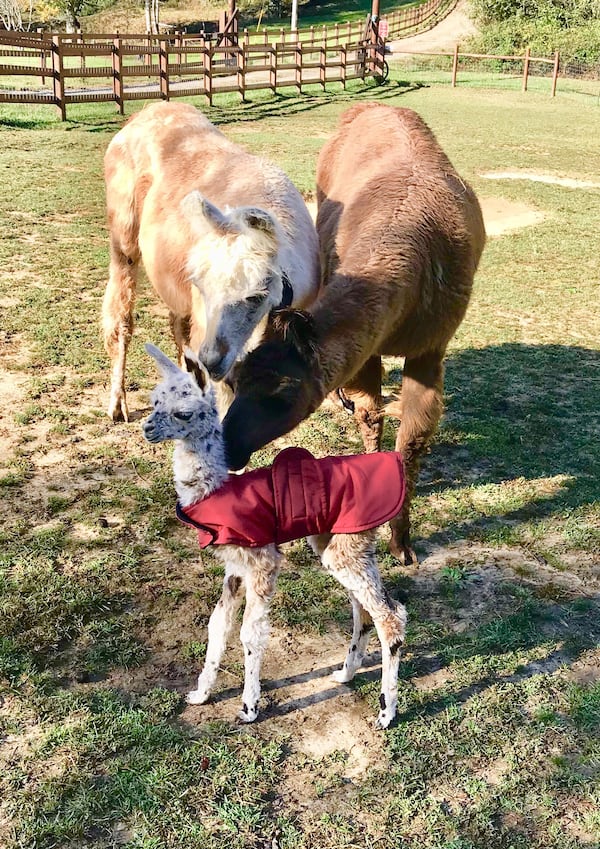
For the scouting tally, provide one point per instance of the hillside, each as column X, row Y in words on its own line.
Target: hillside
column 128, row 15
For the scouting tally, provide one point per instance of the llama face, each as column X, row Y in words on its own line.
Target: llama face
column 234, row 265
column 276, row 387
column 184, row 403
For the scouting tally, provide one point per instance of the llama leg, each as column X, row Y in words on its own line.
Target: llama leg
column 255, row 630
column 219, row 628
column 117, row 322
column 421, row 408
column 364, row 391
column 351, row 559
column 319, row 542
column 180, row 328
column 361, row 630
column 387, row 631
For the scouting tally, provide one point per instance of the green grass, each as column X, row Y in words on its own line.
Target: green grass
column 104, row 601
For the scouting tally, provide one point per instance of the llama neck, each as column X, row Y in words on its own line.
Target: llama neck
column 199, row 467
column 346, row 330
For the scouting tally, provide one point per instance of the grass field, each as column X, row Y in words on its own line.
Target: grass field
column 104, row 598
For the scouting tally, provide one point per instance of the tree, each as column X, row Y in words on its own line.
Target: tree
column 10, row 14
column 152, row 15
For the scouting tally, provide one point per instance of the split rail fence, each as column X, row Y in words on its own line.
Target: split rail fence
column 60, row 69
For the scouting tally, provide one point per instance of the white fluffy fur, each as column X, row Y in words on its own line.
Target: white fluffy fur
column 159, row 169
column 185, row 411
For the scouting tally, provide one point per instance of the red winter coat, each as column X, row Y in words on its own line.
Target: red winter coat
column 299, row 496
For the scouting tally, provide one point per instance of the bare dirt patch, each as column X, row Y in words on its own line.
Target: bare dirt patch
column 535, row 177
column 456, row 27
column 500, row 215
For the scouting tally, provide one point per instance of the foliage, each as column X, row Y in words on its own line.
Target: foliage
column 570, row 26
column 560, row 13
column 10, row 15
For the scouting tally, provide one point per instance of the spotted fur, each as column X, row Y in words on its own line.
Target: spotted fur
column 184, row 410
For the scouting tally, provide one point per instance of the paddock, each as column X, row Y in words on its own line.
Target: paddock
column 105, row 598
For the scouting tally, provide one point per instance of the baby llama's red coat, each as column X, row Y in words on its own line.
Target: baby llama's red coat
column 300, row 496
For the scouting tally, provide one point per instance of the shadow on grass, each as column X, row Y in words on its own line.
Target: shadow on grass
column 277, row 105
column 285, row 105
column 514, row 412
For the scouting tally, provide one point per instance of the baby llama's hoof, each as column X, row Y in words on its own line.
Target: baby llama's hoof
column 197, row 697
column 248, row 714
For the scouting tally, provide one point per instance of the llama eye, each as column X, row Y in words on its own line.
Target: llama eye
column 256, row 300
column 182, row 416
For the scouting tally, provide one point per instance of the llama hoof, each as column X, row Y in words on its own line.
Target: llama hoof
column 197, row 697
column 404, row 553
column 342, row 676
column 117, row 410
column 383, row 720
column 248, row 714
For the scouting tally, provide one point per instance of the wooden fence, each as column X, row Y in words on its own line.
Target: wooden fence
column 122, row 68
column 524, row 66
column 60, row 69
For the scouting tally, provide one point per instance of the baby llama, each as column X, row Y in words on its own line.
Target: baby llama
column 247, row 516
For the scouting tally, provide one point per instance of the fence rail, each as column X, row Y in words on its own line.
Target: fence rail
column 63, row 69
column 146, row 66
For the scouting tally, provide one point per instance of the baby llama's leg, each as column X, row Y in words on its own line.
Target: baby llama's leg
column 351, row 559
column 260, row 586
column 219, row 628
column 361, row 629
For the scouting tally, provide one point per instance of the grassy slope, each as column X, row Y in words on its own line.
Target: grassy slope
column 128, row 16
column 103, row 614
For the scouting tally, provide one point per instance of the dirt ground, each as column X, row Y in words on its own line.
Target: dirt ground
column 500, row 215
column 449, row 32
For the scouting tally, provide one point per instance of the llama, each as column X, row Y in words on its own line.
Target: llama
column 185, row 411
column 401, row 235
column 223, row 235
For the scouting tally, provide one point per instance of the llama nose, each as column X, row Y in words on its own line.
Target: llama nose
column 214, row 358
column 148, row 428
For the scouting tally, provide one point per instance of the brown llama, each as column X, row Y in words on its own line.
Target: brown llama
column 224, row 237
column 401, row 235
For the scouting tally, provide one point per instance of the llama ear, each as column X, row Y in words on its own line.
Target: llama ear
column 195, row 368
column 296, row 327
column 199, row 210
column 165, row 365
column 258, row 219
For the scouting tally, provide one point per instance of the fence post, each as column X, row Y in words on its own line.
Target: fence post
column 241, row 72
column 57, row 78
column 82, row 55
column 455, row 66
column 163, row 69
column 273, row 68
column 117, row 63
column 299, row 60
column 208, row 54
column 43, row 65
column 323, row 59
column 526, row 68
column 555, row 72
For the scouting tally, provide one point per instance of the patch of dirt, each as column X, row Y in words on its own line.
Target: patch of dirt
column 535, row 177
column 454, row 29
column 500, row 215
column 504, row 216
